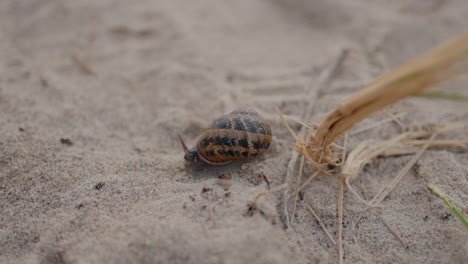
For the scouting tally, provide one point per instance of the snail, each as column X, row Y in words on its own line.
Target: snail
column 241, row 134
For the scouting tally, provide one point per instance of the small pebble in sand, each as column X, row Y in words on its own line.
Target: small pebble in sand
column 66, row 141
column 99, row 185
column 225, row 180
column 206, row 189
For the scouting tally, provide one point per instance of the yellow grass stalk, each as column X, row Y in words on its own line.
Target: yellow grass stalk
column 321, row 224
column 409, row 79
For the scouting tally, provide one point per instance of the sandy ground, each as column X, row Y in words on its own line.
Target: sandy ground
column 93, row 94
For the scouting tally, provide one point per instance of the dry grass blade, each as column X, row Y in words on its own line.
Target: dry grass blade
column 321, row 224
column 380, row 196
column 409, row 79
column 449, row 203
column 379, row 123
column 340, row 220
column 326, row 75
column 307, row 182
column 395, row 118
column 368, row 150
column 396, row 234
column 403, row 144
column 299, row 121
column 444, row 95
column 443, row 143
column 83, row 66
column 340, row 205
column 299, row 178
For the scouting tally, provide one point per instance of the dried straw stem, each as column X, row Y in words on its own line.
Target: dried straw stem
column 369, row 150
column 321, row 224
column 380, row 196
column 409, row 79
column 340, row 206
column 442, row 143
column 340, row 220
column 299, row 178
column 395, row 233
column 311, row 97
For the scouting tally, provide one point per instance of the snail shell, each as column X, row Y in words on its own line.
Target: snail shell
column 241, row 134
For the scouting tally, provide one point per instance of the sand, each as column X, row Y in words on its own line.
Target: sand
column 94, row 93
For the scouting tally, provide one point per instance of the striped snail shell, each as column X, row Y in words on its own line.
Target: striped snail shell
column 241, row 134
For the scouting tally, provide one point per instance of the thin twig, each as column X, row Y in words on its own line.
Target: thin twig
column 311, row 97
column 321, row 224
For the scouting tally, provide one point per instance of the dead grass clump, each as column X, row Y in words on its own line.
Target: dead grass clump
column 320, row 157
column 403, row 144
column 319, row 146
column 409, row 79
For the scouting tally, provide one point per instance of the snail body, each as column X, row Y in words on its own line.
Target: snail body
column 241, row 134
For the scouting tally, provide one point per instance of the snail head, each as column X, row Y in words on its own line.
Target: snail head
column 190, row 154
